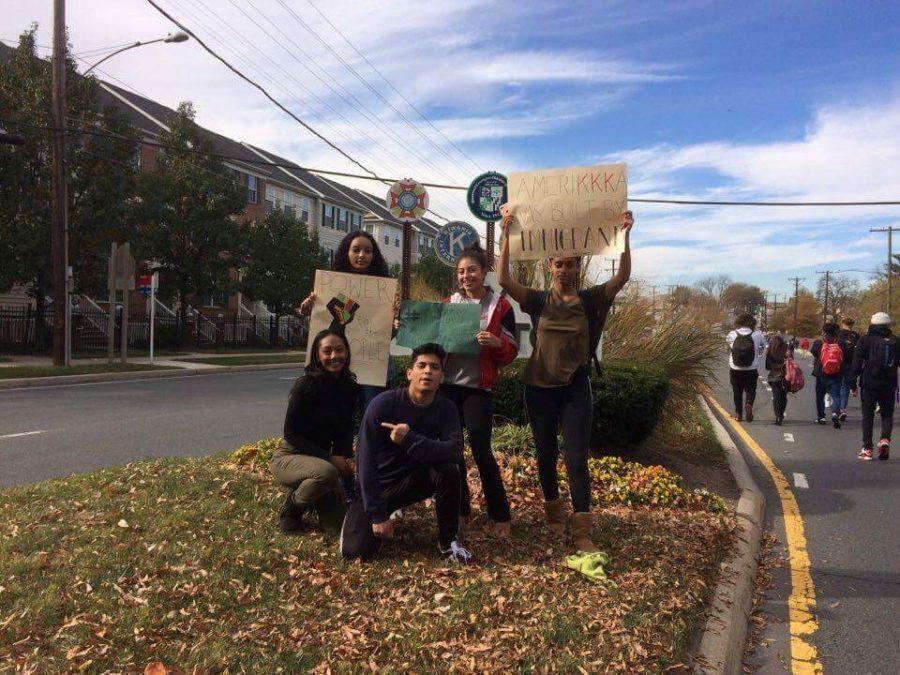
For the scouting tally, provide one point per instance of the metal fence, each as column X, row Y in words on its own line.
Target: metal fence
column 20, row 331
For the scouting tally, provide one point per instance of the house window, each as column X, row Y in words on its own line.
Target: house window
column 328, row 216
column 289, row 202
column 355, row 222
column 252, row 192
column 304, row 209
column 343, row 218
column 397, row 242
column 387, row 239
column 368, row 227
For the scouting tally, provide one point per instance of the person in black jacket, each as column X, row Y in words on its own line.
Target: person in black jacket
column 875, row 362
column 847, row 339
column 318, row 437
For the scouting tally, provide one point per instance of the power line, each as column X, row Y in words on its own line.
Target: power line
column 391, row 84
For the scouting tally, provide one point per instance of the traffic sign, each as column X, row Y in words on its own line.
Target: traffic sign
column 486, row 194
column 407, row 200
column 452, row 239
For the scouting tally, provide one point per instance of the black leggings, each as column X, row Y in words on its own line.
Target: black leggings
column 572, row 408
column 779, row 397
column 476, row 415
column 885, row 399
column 743, row 381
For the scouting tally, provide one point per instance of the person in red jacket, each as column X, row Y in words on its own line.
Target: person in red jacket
column 468, row 380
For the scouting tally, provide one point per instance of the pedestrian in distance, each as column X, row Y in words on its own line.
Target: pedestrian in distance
column 828, row 364
column 358, row 253
column 567, row 325
column 318, row 437
column 469, row 378
column 847, row 339
column 745, row 345
column 874, row 371
column 410, row 450
column 776, row 357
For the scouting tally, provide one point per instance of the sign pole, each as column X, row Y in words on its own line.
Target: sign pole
column 404, row 272
column 490, row 244
column 126, row 301
column 111, row 323
column 152, row 312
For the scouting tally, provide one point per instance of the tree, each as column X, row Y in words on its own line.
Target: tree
column 188, row 215
column 436, row 275
column 809, row 316
column 101, row 177
column 714, row 286
column 739, row 297
column 282, row 259
column 843, row 292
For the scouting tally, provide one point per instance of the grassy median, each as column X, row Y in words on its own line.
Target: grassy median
column 10, row 372
column 178, row 563
column 248, row 360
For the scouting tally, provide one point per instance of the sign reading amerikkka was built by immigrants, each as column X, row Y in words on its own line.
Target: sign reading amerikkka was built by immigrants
column 567, row 212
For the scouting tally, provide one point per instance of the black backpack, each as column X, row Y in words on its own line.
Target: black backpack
column 847, row 340
column 881, row 357
column 743, row 350
column 595, row 312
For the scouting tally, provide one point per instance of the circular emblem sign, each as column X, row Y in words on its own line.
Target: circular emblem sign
column 486, row 194
column 407, row 200
column 452, row 239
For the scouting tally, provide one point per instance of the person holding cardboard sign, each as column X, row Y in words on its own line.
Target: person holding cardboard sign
column 567, row 324
column 469, row 378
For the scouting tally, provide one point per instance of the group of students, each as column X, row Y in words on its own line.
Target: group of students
column 410, row 445
column 844, row 364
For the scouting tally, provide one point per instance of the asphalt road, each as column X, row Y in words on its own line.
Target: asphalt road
column 851, row 516
column 88, row 426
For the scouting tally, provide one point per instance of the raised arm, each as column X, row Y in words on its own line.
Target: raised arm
column 614, row 285
column 516, row 291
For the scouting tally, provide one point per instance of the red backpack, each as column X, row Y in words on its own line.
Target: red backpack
column 793, row 376
column 831, row 357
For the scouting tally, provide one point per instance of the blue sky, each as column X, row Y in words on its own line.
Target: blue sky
column 786, row 100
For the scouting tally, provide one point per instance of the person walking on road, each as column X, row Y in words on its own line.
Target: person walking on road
column 875, row 362
column 745, row 345
column 847, row 339
column 828, row 363
column 318, row 437
column 776, row 356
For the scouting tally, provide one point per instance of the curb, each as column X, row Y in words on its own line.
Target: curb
column 54, row 380
column 725, row 633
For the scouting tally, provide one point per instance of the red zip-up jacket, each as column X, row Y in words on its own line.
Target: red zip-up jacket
column 500, row 320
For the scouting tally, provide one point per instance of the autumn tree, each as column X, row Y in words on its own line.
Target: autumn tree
column 809, row 316
column 739, row 297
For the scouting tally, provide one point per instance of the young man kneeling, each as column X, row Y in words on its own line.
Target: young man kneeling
column 410, row 449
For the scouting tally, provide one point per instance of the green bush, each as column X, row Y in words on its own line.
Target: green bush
column 628, row 400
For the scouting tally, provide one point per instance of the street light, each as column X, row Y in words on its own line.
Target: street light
column 60, row 226
column 180, row 36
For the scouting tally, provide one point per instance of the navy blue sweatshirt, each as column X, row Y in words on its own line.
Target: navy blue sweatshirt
column 434, row 437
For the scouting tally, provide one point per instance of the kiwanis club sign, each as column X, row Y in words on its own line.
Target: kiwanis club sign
column 567, row 212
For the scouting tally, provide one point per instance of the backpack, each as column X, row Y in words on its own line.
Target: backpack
column 743, row 350
column 793, row 376
column 595, row 312
column 880, row 359
column 847, row 340
column 831, row 358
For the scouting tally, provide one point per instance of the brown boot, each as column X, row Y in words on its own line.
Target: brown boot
column 556, row 516
column 582, row 525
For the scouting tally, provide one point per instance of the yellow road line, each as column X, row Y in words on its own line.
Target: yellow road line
column 802, row 601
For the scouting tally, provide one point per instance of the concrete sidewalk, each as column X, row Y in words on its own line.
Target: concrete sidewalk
column 173, row 360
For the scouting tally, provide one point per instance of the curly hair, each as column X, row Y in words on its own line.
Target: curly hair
column 474, row 252
column 341, row 262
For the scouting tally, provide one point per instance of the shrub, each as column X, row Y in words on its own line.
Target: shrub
column 628, row 400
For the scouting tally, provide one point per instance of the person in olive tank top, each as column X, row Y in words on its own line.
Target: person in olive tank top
column 567, row 323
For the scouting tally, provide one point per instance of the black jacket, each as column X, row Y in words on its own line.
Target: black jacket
column 320, row 419
column 872, row 376
column 847, row 339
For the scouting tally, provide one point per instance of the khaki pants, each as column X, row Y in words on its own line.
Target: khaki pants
column 309, row 478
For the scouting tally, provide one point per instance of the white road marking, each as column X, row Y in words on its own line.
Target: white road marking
column 800, row 481
column 287, row 378
column 789, row 438
column 23, row 433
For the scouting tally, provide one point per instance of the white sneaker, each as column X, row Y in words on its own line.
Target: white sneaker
column 457, row 553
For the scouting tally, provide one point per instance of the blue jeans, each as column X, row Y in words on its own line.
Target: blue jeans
column 846, row 381
column 830, row 384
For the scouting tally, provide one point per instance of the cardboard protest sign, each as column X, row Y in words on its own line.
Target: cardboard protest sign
column 363, row 306
column 567, row 212
column 451, row 326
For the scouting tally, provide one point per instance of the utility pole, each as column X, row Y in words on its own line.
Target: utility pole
column 612, row 268
column 890, row 260
column 827, row 274
column 796, row 281
column 59, row 238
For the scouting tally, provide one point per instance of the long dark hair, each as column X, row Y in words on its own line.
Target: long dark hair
column 315, row 368
column 341, row 262
column 777, row 347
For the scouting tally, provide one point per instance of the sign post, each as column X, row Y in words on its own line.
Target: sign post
column 452, row 239
column 121, row 277
column 407, row 200
column 147, row 285
column 486, row 194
